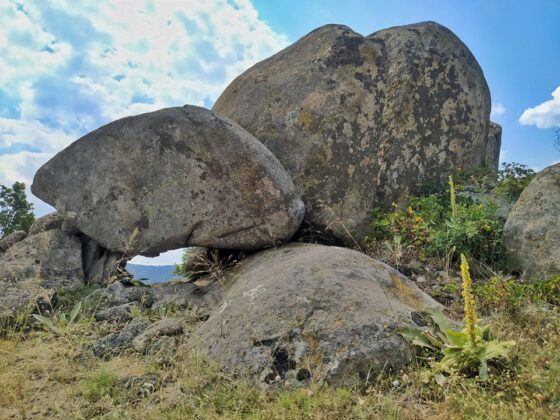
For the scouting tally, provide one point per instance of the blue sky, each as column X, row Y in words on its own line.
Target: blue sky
column 67, row 67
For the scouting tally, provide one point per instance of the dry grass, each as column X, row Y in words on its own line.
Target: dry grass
column 44, row 376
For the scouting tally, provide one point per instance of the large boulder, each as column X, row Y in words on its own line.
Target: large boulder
column 172, row 178
column 362, row 121
column 532, row 230
column 36, row 265
column 308, row 311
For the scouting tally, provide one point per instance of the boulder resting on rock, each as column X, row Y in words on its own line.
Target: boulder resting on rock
column 169, row 179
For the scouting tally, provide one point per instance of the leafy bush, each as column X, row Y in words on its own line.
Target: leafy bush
column 433, row 227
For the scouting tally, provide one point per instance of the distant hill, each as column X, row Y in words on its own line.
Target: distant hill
column 153, row 273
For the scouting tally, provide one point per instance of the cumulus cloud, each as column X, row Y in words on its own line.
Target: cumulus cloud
column 545, row 115
column 67, row 67
column 497, row 110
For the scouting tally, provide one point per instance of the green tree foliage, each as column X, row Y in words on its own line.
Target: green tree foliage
column 16, row 213
column 513, row 178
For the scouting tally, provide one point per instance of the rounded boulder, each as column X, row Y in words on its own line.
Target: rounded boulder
column 172, row 178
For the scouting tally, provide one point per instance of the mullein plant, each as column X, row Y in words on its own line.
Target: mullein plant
column 453, row 198
column 465, row 351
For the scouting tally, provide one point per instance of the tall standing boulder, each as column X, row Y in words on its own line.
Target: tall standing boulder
column 493, row 146
column 532, row 230
column 362, row 121
column 315, row 312
column 172, row 178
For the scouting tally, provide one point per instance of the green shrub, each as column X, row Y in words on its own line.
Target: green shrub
column 428, row 226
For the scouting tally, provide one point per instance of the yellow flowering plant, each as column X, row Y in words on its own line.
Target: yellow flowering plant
column 465, row 351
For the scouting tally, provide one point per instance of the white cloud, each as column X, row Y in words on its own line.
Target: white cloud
column 497, row 110
column 166, row 258
column 68, row 67
column 33, row 133
column 545, row 115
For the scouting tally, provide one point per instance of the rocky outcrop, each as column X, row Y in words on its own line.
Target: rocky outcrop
column 308, row 311
column 169, row 179
column 50, row 221
column 365, row 121
column 493, row 146
column 53, row 257
column 35, row 266
column 532, row 230
column 10, row 240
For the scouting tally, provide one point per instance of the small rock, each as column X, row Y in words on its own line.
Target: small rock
column 12, row 239
column 116, row 342
column 165, row 327
column 118, row 294
column 117, row 314
column 144, row 385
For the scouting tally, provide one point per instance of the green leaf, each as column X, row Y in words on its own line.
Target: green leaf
column 439, row 319
column 496, row 349
column 456, row 338
column 483, row 370
column 75, row 311
column 45, row 321
column 416, row 337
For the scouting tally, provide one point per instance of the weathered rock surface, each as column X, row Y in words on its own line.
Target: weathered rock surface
column 10, row 240
column 36, row 265
column 187, row 295
column 101, row 266
column 365, row 121
column 119, row 341
column 172, row 178
column 532, row 230
column 53, row 257
column 117, row 294
column 493, row 146
column 164, row 327
column 119, row 313
column 50, row 221
column 311, row 311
